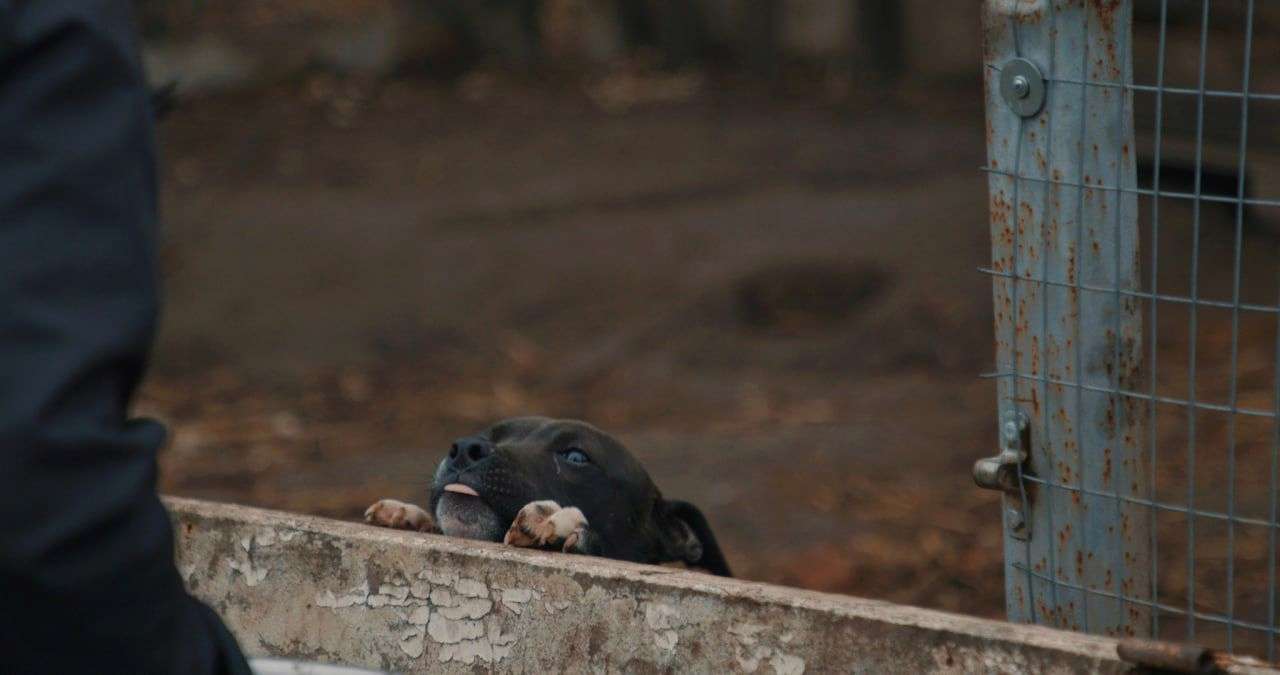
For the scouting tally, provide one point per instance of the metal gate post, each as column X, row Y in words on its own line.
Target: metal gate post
column 1064, row 233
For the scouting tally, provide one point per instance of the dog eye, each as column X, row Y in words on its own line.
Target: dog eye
column 576, row 456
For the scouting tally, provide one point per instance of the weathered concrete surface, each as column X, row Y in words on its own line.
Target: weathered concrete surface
column 305, row 587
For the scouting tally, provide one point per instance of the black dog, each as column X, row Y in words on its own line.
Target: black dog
column 546, row 483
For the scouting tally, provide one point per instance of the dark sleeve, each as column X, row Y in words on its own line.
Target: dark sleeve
column 86, row 551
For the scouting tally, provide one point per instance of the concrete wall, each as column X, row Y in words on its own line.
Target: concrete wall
column 304, row 587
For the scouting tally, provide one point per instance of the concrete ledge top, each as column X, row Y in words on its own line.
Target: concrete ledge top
column 305, row 587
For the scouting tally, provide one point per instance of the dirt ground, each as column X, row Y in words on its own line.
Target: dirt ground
column 771, row 297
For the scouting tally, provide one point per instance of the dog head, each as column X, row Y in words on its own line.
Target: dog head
column 487, row 478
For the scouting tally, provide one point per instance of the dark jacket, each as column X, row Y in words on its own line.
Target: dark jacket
column 87, row 575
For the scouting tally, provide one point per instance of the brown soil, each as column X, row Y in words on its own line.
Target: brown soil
column 773, row 301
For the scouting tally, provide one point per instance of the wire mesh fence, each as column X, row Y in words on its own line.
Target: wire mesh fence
column 1136, row 245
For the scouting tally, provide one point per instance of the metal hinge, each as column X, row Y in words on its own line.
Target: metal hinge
column 1001, row 471
column 1174, row 657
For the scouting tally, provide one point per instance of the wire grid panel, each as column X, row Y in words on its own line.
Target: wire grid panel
column 1134, row 282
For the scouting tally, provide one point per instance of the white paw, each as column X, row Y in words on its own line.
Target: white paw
column 545, row 523
column 398, row 515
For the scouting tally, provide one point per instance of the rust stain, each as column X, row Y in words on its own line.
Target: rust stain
column 1106, row 11
column 1029, row 15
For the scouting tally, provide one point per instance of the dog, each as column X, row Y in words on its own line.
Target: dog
column 556, row 484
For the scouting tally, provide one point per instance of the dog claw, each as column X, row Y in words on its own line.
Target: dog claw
column 545, row 523
column 398, row 515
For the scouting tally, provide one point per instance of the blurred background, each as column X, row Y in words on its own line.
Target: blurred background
column 743, row 236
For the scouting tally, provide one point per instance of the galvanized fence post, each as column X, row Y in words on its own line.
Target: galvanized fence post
column 1063, row 216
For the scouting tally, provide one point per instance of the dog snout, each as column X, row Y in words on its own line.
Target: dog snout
column 467, row 452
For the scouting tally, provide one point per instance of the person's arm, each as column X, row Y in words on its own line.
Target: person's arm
column 86, row 551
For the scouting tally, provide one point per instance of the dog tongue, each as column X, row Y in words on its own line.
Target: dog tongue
column 461, row 489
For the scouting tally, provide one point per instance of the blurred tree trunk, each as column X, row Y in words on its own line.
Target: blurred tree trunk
column 762, row 22
column 880, row 49
column 677, row 29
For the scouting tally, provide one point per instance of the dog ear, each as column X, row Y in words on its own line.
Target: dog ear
column 687, row 537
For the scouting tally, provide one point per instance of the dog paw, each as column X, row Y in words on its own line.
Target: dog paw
column 398, row 515
column 545, row 523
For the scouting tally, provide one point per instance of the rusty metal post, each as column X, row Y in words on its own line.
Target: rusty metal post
column 1063, row 215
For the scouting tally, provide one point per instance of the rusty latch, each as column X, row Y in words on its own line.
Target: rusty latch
column 1175, row 657
column 1001, row 471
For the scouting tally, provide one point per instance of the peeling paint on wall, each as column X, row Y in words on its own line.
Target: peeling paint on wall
column 448, row 610
column 752, row 651
column 663, row 619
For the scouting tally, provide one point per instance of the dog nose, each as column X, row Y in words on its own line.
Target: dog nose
column 468, row 451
